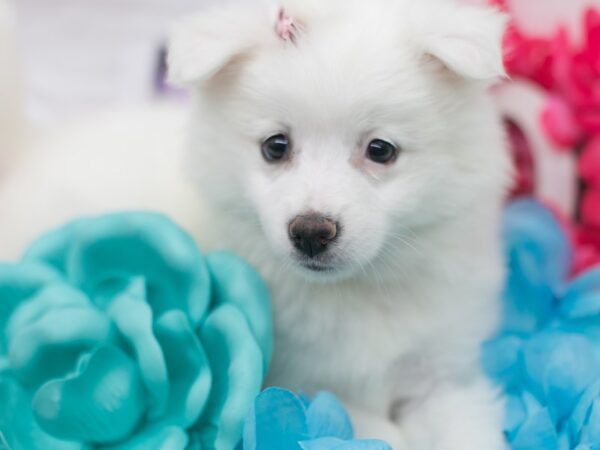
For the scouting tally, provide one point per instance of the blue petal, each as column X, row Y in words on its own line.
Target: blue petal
column 538, row 430
column 564, row 441
column 236, row 282
column 516, row 413
column 189, row 371
column 579, row 419
column 582, row 297
column 128, row 245
column 103, row 403
column 276, row 421
column 564, row 386
column 326, row 417
column 526, row 221
column 593, row 425
column 237, row 365
column 539, row 258
column 501, row 359
column 546, row 357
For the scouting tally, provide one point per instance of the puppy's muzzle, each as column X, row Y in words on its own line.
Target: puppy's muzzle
column 312, row 234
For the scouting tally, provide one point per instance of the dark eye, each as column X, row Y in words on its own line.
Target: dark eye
column 276, row 148
column 382, row 152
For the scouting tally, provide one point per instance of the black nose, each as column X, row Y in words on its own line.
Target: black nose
column 312, row 233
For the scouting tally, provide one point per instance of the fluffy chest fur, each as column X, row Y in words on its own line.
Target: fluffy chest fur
column 382, row 339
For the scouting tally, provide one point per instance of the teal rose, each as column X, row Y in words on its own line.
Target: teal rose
column 117, row 333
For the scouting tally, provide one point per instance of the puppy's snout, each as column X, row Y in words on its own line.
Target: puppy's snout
column 312, row 233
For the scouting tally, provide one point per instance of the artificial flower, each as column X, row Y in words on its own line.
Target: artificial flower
column 117, row 333
column 547, row 354
column 282, row 420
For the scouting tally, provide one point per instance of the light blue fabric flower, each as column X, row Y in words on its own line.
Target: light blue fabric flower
column 547, row 356
column 117, row 333
column 282, row 420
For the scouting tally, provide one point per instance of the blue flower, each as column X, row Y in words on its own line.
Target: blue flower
column 117, row 333
column 547, row 355
column 282, row 420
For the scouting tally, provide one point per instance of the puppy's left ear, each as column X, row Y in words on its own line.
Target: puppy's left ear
column 467, row 40
column 204, row 45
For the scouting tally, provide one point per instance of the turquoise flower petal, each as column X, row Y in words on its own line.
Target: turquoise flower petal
column 111, row 326
column 236, row 282
column 236, row 361
column 19, row 282
column 133, row 317
column 18, row 428
column 43, row 350
column 276, row 421
column 103, row 403
column 94, row 251
column 53, row 296
column 327, row 417
column 190, row 376
column 155, row 438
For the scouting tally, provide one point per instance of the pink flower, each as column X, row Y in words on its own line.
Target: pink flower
column 589, row 162
column 529, row 57
column 590, row 208
column 577, row 73
column 587, row 250
column 560, row 123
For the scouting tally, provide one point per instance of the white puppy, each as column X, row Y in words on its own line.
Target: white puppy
column 348, row 150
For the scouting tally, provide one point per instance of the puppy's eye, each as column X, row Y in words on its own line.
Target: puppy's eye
column 382, row 152
column 276, row 148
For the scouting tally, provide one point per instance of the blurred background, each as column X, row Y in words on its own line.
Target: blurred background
column 80, row 55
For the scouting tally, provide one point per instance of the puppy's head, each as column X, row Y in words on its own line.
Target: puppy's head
column 341, row 128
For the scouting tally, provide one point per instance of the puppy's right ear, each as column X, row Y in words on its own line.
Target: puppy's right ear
column 204, row 45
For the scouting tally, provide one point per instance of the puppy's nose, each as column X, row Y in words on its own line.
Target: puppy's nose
column 312, row 233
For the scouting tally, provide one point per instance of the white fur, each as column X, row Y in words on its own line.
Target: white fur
column 396, row 330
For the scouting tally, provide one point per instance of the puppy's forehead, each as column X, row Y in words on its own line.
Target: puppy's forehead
column 338, row 67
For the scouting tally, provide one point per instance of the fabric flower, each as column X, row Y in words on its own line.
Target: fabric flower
column 117, row 333
column 282, row 420
column 529, row 57
column 568, row 72
column 547, row 355
column 560, row 124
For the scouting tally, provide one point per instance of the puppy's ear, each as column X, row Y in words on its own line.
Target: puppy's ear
column 467, row 40
column 205, row 44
